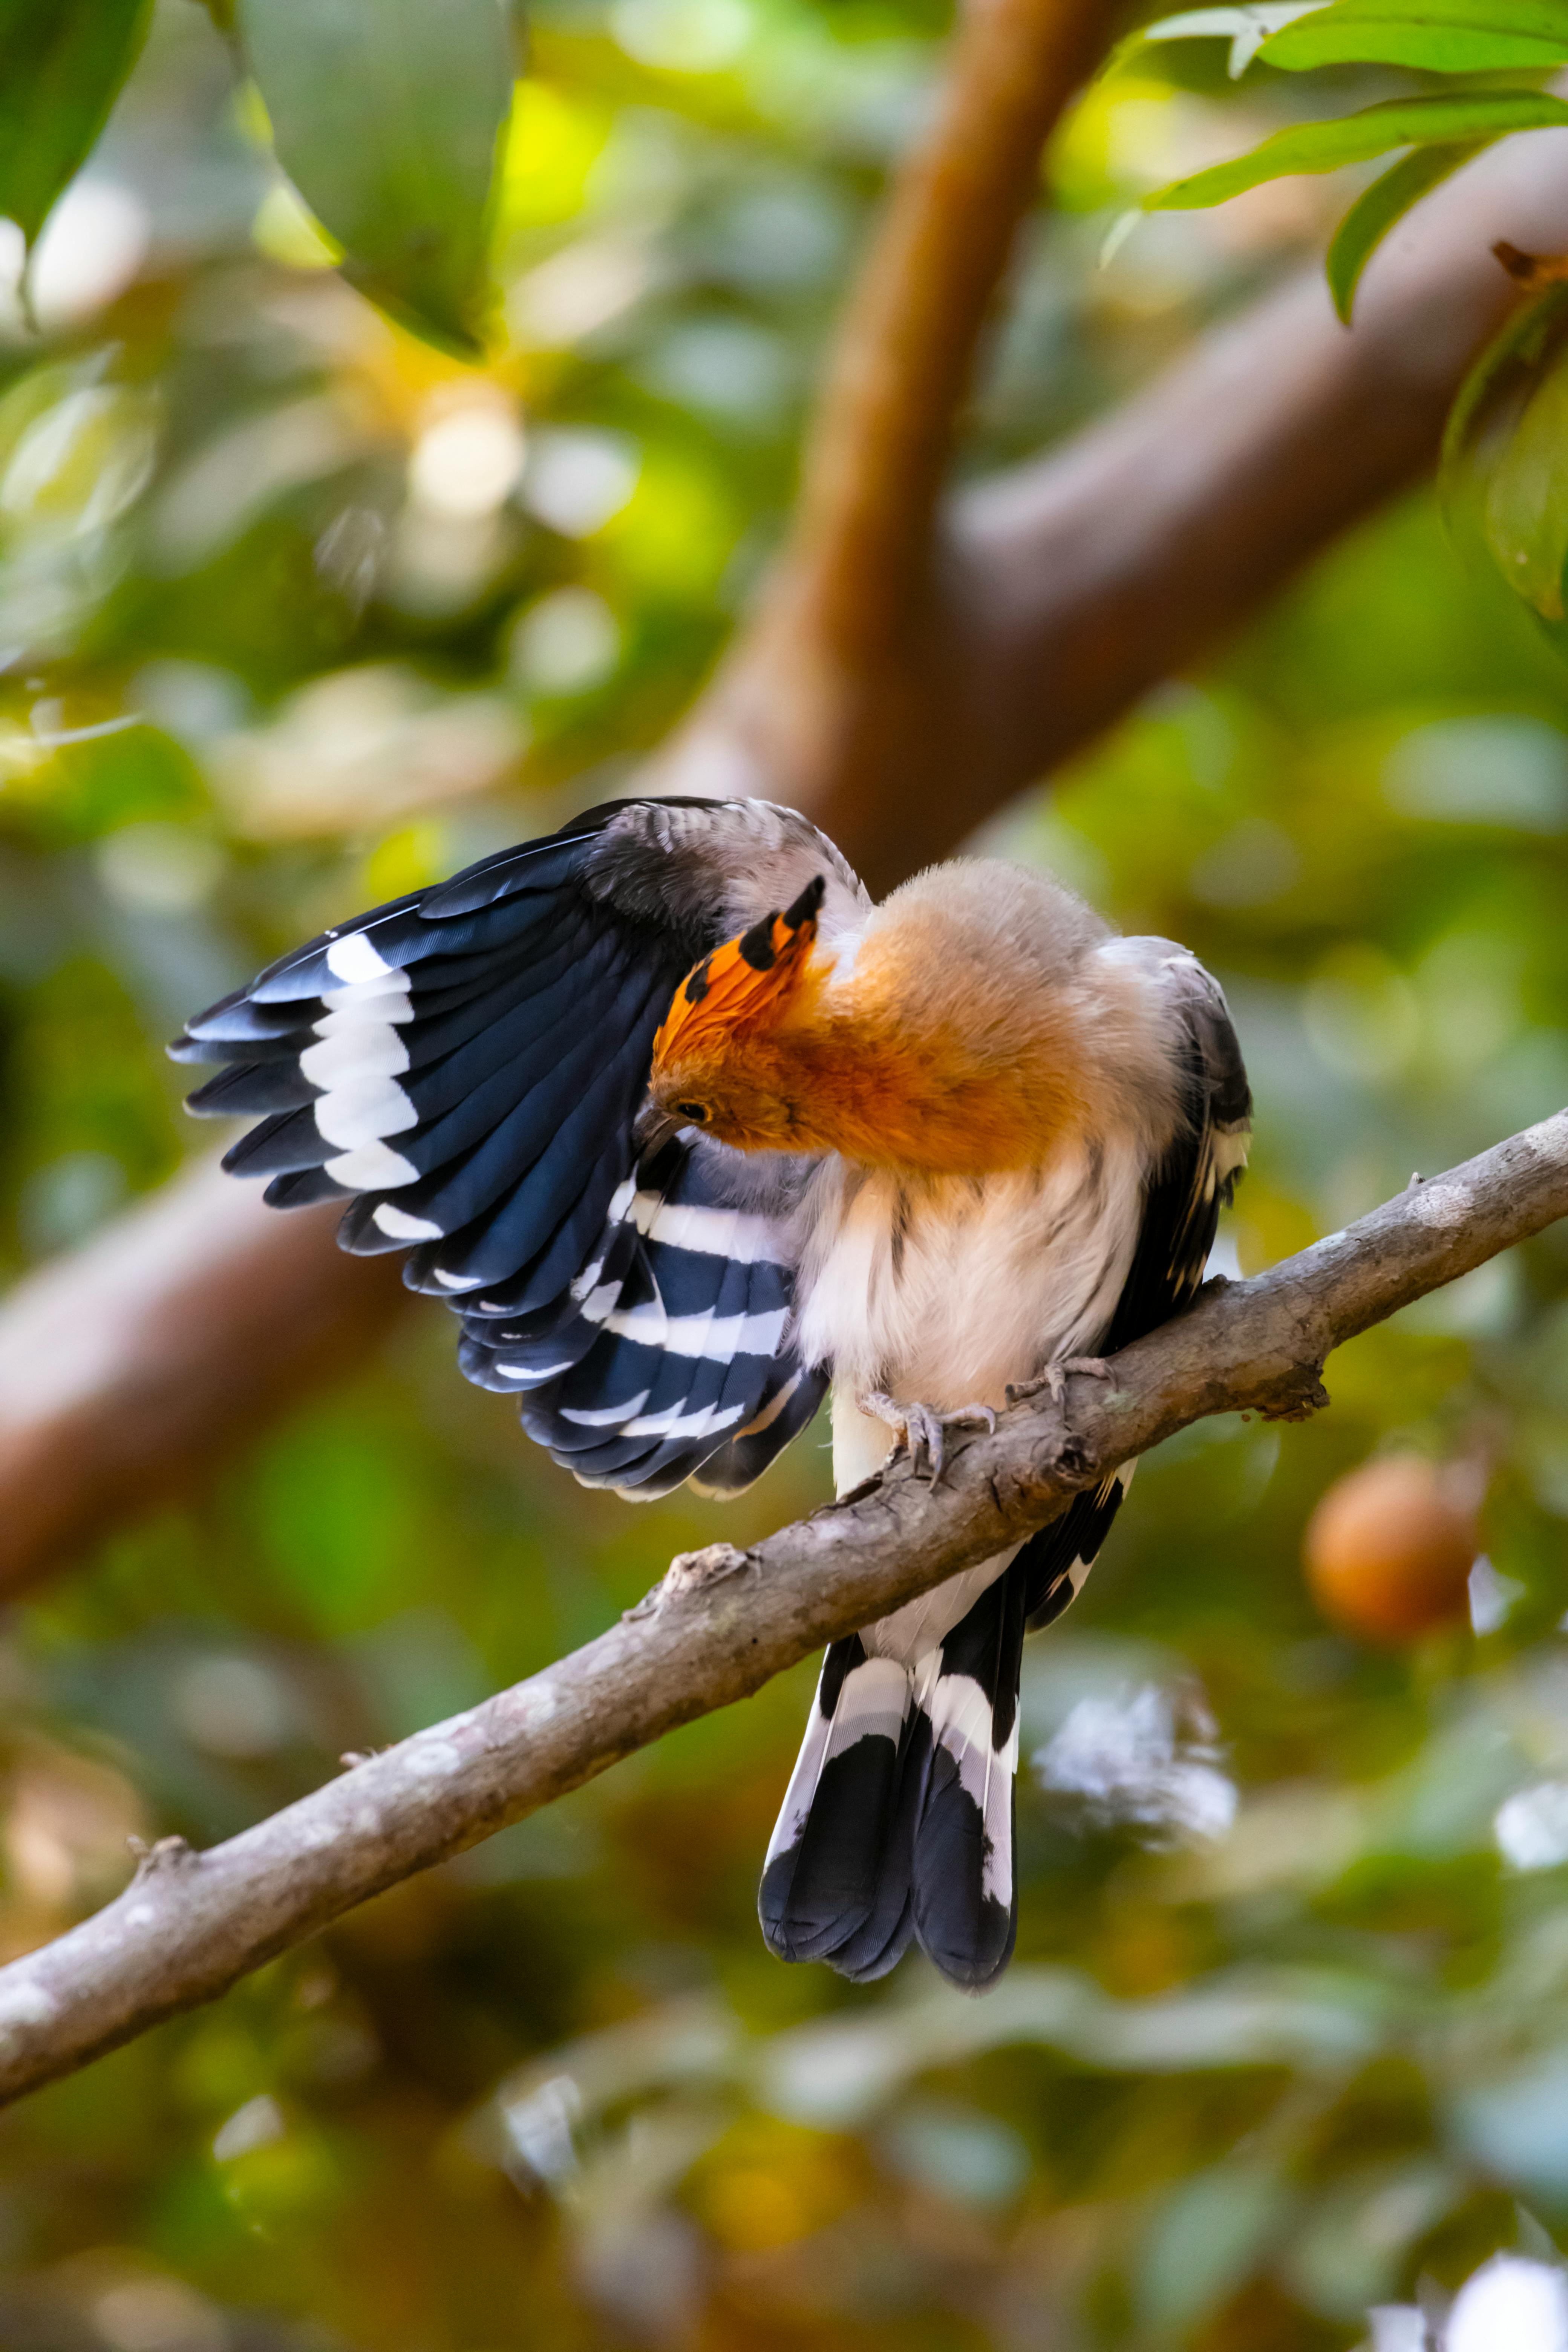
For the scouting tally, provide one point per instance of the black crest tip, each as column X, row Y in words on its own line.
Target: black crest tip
column 808, row 903
column 757, row 947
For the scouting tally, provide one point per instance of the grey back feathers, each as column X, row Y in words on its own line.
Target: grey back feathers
column 718, row 866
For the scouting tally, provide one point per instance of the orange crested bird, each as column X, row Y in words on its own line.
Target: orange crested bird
column 683, row 1129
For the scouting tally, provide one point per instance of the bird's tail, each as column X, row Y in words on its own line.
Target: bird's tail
column 898, row 1823
column 898, row 1826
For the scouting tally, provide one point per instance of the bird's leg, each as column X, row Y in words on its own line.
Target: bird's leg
column 1054, row 1378
column 922, row 1429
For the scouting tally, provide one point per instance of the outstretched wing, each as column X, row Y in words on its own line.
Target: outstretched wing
column 1182, row 1201
column 463, row 1068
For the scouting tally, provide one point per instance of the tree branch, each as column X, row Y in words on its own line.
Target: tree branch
column 170, row 1336
column 723, row 1621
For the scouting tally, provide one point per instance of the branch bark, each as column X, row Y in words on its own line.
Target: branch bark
column 723, row 1621
column 168, row 1339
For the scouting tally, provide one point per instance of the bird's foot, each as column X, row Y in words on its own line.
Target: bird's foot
column 921, row 1430
column 1053, row 1380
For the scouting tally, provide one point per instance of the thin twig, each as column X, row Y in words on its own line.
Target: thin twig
column 724, row 1620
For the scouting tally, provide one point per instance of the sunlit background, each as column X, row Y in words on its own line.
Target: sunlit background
column 295, row 614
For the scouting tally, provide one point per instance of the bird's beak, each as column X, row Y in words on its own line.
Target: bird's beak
column 654, row 1129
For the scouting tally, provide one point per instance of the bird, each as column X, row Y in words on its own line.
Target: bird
column 687, row 1131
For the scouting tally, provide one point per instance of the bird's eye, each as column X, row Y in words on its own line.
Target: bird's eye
column 695, row 1112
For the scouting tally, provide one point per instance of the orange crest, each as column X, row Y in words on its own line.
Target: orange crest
column 747, row 979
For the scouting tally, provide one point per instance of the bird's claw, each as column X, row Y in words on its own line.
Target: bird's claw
column 922, row 1429
column 1053, row 1380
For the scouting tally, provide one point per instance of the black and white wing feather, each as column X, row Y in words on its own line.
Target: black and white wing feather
column 463, row 1068
column 669, row 1356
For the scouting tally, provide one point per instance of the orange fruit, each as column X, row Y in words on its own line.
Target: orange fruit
column 1390, row 1547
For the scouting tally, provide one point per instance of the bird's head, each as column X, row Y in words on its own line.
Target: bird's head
column 713, row 1066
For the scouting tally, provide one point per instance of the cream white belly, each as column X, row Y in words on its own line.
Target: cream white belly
column 942, row 1290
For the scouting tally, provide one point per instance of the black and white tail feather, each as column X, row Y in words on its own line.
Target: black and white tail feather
column 463, row 1068
column 898, row 1826
column 897, row 1822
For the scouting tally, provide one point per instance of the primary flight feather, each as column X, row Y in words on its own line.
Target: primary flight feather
column 684, row 1130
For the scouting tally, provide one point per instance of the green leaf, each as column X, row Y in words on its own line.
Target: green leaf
column 1439, row 36
column 1526, row 510
column 1466, row 116
column 1377, row 208
column 62, row 63
column 1503, row 474
column 1245, row 28
column 1517, row 347
column 388, row 115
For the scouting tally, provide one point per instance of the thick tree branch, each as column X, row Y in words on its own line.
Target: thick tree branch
column 723, row 1621
column 172, row 1334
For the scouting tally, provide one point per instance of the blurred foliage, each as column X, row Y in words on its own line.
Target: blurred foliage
column 295, row 612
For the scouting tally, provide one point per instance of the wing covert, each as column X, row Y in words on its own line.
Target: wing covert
column 1183, row 1198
